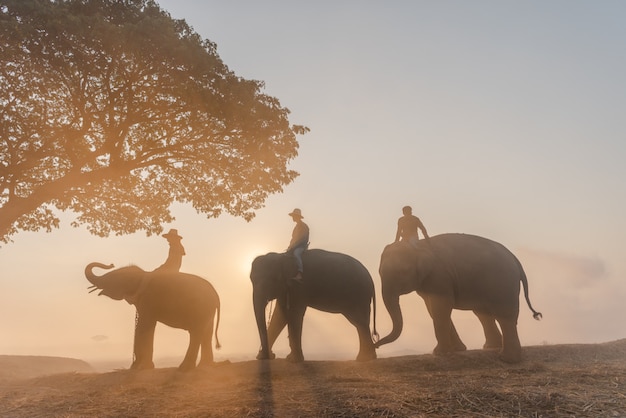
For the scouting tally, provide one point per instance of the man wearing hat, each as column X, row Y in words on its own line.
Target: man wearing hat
column 299, row 240
column 175, row 256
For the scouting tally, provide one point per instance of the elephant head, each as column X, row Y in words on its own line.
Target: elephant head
column 269, row 274
column 123, row 283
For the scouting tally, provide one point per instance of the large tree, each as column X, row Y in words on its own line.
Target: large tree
column 114, row 110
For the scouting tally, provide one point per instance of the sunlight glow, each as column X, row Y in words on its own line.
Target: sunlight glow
column 246, row 257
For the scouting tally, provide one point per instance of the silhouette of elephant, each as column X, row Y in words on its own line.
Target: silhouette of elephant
column 331, row 282
column 178, row 300
column 457, row 271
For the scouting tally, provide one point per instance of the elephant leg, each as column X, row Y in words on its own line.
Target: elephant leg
column 295, row 318
column 143, row 344
column 493, row 337
column 447, row 338
column 361, row 320
column 206, row 347
column 189, row 362
column 455, row 340
column 511, row 347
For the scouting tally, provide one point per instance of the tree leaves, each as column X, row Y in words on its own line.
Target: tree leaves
column 114, row 110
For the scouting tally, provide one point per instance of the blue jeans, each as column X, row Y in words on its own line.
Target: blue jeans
column 297, row 253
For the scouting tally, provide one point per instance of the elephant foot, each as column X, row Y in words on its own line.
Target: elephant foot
column 265, row 355
column 451, row 347
column 442, row 351
column 510, row 357
column 439, row 352
column 492, row 346
column 186, row 367
column 206, row 363
column 144, row 365
column 366, row 356
column 459, row 347
column 295, row 358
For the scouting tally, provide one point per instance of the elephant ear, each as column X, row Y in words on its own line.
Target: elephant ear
column 425, row 260
column 135, row 287
column 288, row 268
column 123, row 283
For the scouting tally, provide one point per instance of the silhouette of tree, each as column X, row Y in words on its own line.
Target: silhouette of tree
column 114, row 110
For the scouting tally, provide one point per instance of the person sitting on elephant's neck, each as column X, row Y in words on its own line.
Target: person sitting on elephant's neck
column 176, row 253
column 408, row 225
column 299, row 241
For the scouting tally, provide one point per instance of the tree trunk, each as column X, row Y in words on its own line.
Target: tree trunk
column 17, row 207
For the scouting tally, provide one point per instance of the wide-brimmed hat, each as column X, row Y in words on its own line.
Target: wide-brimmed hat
column 173, row 233
column 296, row 212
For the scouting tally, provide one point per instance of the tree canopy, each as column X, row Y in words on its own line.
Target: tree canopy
column 114, row 110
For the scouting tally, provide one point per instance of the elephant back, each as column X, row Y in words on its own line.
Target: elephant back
column 179, row 287
column 467, row 248
column 336, row 272
column 325, row 273
column 477, row 265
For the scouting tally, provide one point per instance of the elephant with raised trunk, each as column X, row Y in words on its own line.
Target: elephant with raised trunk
column 178, row 300
column 331, row 282
column 457, row 271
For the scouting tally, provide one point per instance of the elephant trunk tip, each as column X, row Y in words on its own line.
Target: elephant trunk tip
column 392, row 303
column 387, row 339
column 89, row 274
column 537, row 315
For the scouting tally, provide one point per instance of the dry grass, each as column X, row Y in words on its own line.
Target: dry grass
column 553, row 381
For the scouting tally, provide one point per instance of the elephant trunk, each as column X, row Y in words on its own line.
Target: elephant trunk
column 260, row 303
column 93, row 279
column 392, row 303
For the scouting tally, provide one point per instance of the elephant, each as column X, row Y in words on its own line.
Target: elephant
column 331, row 282
column 178, row 300
column 457, row 271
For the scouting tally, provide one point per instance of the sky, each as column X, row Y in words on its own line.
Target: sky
column 499, row 119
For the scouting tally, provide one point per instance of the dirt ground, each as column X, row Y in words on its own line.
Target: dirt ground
column 553, row 381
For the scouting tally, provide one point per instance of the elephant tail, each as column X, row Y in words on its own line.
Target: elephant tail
column 375, row 335
column 217, row 326
column 524, row 280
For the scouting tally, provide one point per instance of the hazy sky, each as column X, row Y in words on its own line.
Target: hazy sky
column 500, row 119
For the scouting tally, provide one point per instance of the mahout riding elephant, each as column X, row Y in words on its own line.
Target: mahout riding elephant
column 457, row 271
column 178, row 300
column 331, row 282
